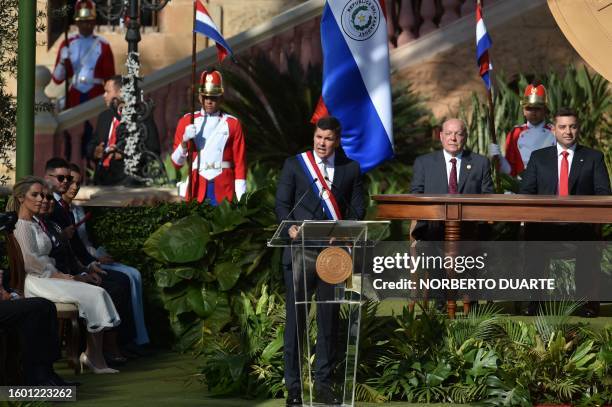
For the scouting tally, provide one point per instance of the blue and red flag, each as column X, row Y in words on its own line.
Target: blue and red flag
column 207, row 27
column 356, row 78
column 483, row 43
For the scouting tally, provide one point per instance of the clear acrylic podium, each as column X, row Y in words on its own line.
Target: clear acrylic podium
column 328, row 313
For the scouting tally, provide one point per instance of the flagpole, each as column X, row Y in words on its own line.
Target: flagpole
column 193, row 89
column 491, row 115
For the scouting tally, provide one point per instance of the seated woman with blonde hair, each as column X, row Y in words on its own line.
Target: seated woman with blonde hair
column 44, row 280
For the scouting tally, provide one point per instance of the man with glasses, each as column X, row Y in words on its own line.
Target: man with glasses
column 214, row 142
column 108, row 263
column 57, row 173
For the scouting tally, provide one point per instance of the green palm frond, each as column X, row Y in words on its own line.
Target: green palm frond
column 482, row 323
column 368, row 394
column 555, row 316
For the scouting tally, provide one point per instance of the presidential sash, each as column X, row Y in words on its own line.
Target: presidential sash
column 322, row 187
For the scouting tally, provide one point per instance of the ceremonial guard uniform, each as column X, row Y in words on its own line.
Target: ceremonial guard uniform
column 217, row 147
column 85, row 59
column 524, row 139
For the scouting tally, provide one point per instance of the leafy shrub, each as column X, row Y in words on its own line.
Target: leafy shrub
column 208, row 258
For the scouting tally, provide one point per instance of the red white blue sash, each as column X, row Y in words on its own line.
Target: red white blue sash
column 321, row 188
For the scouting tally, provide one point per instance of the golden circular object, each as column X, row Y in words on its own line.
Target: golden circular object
column 334, row 265
column 587, row 24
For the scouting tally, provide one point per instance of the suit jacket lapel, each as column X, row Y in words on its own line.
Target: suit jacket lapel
column 553, row 173
column 464, row 172
column 339, row 167
column 440, row 171
column 575, row 169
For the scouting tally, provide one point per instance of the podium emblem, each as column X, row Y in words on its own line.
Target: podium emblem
column 334, row 265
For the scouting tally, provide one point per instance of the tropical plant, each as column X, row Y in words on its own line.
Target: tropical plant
column 207, row 260
column 413, row 366
column 247, row 359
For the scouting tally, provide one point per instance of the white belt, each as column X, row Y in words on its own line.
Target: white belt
column 217, row 165
column 95, row 81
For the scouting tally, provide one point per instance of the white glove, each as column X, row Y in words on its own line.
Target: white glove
column 64, row 54
column 240, row 187
column 494, row 150
column 190, row 133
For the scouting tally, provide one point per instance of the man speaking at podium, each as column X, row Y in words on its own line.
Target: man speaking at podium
column 319, row 184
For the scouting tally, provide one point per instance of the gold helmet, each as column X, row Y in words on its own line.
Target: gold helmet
column 534, row 96
column 211, row 83
column 84, row 10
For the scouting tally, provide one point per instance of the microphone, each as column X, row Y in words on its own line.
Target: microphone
column 347, row 203
column 301, row 199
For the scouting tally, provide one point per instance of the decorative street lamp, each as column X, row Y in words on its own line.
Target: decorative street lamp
column 136, row 110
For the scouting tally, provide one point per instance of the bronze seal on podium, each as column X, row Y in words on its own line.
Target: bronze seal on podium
column 334, row 265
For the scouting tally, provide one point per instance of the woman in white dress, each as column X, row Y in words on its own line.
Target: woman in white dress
column 44, row 280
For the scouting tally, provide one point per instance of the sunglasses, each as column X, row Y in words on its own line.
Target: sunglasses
column 48, row 197
column 62, row 178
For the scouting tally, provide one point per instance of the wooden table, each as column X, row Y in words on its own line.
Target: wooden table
column 453, row 209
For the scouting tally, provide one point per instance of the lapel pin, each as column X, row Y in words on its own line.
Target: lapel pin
column 582, row 159
column 469, row 166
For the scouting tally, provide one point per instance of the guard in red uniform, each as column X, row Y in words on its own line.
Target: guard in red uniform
column 216, row 144
column 85, row 59
column 524, row 139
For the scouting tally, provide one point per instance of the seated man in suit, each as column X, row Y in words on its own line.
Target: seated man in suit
column 452, row 170
column 320, row 184
column 117, row 284
column 567, row 169
column 35, row 321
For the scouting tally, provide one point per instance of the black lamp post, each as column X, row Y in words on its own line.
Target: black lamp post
column 142, row 165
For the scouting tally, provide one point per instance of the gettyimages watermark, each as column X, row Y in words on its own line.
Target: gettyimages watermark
column 491, row 270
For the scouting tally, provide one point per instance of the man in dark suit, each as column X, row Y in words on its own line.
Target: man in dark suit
column 452, row 170
column 301, row 196
column 567, row 169
column 103, row 146
column 57, row 173
column 34, row 322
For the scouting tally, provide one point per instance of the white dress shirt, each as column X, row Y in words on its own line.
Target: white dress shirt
column 570, row 157
column 330, row 165
column 449, row 165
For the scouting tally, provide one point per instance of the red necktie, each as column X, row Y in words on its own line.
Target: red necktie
column 452, row 179
column 563, row 175
column 112, row 140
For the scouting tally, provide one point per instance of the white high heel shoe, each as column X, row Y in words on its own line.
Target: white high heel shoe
column 85, row 361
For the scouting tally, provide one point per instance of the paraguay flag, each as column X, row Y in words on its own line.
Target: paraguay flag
column 356, row 85
column 483, row 43
column 205, row 26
